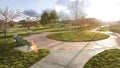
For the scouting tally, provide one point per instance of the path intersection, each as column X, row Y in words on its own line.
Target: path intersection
column 69, row 54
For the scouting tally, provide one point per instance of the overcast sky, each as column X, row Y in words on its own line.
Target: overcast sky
column 106, row 10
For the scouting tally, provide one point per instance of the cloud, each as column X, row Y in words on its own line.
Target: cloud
column 68, row 3
column 62, row 2
column 106, row 10
column 62, row 6
column 100, row 9
column 66, row 6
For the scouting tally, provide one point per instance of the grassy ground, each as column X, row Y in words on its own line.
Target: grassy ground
column 113, row 28
column 106, row 59
column 78, row 37
column 49, row 29
column 103, row 29
column 72, row 28
column 11, row 58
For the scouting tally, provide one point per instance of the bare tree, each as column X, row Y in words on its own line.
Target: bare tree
column 77, row 8
column 62, row 16
column 61, row 20
column 7, row 15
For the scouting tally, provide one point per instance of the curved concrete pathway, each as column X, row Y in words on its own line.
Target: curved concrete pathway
column 70, row 54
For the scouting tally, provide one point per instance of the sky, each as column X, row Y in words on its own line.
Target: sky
column 105, row 10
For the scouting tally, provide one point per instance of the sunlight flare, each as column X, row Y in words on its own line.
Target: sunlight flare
column 34, row 47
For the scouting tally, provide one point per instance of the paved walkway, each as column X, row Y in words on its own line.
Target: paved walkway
column 70, row 54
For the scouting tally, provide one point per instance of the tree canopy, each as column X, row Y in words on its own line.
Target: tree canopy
column 48, row 17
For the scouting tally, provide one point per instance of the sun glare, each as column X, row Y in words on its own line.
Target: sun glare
column 105, row 10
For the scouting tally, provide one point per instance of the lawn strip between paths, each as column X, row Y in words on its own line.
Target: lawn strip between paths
column 115, row 33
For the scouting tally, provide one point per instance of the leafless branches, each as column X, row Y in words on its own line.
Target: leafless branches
column 78, row 9
column 7, row 14
column 62, row 16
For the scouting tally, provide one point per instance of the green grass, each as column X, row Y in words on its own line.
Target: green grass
column 48, row 29
column 103, row 29
column 115, row 29
column 106, row 59
column 78, row 37
column 12, row 58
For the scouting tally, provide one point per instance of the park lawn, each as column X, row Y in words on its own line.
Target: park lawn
column 12, row 58
column 103, row 29
column 83, row 36
column 48, row 29
column 106, row 59
column 115, row 29
column 19, row 29
column 72, row 28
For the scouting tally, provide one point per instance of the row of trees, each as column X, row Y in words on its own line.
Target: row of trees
column 30, row 18
column 47, row 17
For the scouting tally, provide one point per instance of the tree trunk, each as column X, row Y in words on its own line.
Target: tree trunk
column 28, row 27
column 4, row 28
column 4, row 32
